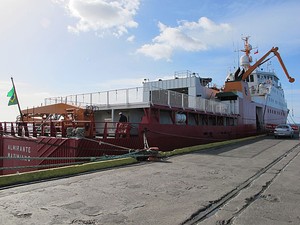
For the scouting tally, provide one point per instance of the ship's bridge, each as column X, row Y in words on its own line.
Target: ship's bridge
column 261, row 82
column 265, row 85
column 260, row 77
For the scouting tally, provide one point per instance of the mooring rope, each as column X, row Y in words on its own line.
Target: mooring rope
column 189, row 137
column 135, row 153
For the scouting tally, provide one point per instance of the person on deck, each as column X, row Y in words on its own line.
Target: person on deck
column 123, row 118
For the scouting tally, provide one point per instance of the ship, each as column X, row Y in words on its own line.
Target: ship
column 162, row 115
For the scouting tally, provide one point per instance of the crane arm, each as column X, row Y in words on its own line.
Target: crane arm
column 291, row 79
column 260, row 61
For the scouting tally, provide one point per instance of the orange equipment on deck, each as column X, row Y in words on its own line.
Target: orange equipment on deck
column 237, row 85
column 61, row 116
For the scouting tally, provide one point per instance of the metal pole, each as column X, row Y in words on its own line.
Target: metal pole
column 15, row 92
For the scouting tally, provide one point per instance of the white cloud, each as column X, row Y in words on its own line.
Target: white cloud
column 115, row 16
column 187, row 36
column 131, row 38
column 157, row 51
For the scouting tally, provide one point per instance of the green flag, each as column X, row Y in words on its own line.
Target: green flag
column 13, row 100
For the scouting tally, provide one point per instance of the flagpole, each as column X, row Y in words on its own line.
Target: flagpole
column 12, row 80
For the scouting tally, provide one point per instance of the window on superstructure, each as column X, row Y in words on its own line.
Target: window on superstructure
column 251, row 78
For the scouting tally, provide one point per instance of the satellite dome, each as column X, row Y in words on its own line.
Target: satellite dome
column 244, row 61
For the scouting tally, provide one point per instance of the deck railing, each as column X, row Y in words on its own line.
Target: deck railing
column 104, row 99
column 75, row 129
column 142, row 95
column 175, row 99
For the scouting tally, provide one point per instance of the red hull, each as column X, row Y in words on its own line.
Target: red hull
column 31, row 152
column 169, row 137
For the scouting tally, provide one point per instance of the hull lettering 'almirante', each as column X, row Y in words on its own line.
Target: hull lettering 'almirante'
column 167, row 114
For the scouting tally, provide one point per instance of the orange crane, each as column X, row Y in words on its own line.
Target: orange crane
column 261, row 61
column 238, row 84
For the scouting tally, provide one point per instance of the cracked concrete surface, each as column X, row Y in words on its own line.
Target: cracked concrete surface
column 167, row 192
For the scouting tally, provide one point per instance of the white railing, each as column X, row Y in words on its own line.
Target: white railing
column 141, row 95
column 175, row 99
column 107, row 98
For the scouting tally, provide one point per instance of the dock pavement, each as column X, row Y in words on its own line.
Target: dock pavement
column 251, row 182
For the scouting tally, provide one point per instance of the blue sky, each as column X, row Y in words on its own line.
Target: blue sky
column 63, row 47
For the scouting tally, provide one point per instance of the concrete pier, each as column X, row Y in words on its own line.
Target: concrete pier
column 253, row 182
